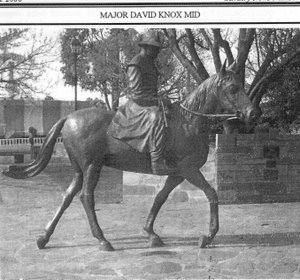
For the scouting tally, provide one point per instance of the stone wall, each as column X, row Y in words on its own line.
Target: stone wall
column 109, row 188
column 143, row 184
column 118, row 183
column 258, row 168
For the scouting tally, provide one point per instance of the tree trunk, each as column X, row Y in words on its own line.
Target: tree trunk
column 199, row 76
column 261, row 86
column 246, row 38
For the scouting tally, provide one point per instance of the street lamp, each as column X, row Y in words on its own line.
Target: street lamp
column 76, row 49
column 11, row 85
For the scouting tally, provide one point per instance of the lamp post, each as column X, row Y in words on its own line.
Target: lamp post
column 76, row 49
column 11, row 85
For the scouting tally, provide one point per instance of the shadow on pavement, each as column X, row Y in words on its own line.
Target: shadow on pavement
column 268, row 239
column 61, row 246
column 240, row 240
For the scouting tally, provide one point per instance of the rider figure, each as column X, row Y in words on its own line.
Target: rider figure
column 143, row 83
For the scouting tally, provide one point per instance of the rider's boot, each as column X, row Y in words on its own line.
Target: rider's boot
column 157, row 148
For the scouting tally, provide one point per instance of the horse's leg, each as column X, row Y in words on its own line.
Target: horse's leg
column 195, row 177
column 88, row 201
column 171, row 182
column 74, row 188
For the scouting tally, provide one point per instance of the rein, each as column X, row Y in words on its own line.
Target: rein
column 206, row 115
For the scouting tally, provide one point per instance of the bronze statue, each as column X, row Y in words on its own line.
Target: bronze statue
column 90, row 147
column 140, row 122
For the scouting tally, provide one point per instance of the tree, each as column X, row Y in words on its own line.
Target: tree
column 189, row 56
column 102, row 62
column 24, row 57
column 259, row 58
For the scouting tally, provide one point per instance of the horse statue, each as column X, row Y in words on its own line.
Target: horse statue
column 90, row 147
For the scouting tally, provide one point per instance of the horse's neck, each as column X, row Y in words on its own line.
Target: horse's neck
column 202, row 99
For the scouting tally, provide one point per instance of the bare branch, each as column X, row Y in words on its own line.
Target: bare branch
column 246, row 37
column 224, row 44
column 191, row 47
column 259, row 89
column 171, row 34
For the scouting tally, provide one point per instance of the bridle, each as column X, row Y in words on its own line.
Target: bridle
column 206, row 115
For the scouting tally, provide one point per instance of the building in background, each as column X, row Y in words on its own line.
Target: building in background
column 16, row 116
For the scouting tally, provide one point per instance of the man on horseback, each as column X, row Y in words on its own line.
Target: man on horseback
column 141, row 121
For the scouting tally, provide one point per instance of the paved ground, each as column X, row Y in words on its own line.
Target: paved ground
column 254, row 241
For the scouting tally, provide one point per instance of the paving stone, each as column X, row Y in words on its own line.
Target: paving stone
column 162, row 268
column 285, row 266
column 179, row 196
column 138, row 190
column 161, row 253
column 242, row 249
column 216, row 255
column 103, row 271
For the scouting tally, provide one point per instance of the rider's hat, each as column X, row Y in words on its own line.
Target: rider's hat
column 151, row 39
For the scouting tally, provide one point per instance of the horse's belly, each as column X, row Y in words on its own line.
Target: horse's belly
column 121, row 156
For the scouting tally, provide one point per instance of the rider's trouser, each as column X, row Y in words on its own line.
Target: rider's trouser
column 157, row 137
column 157, row 143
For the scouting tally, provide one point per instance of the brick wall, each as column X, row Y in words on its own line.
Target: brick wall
column 258, row 168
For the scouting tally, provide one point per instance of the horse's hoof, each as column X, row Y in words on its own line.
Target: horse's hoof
column 106, row 246
column 155, row 241
column 206, row 240
column 41, row 242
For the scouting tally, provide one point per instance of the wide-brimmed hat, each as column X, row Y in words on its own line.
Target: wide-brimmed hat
column 151, row 40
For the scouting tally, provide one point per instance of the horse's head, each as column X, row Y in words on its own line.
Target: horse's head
column 232, row 97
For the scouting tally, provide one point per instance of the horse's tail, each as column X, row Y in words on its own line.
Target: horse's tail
column 43, row 158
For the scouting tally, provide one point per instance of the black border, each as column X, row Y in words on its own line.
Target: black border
column 148, row 23
column 150, row 4
column 222, row 5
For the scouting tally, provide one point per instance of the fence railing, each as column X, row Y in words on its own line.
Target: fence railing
column 38, row 141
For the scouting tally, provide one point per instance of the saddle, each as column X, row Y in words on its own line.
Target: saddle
column 135, row 122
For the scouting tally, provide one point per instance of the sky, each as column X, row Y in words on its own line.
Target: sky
column 53, row 76
column 52, row 81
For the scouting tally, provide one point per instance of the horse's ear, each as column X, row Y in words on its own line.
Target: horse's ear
column 233, row 67
column 223, row 68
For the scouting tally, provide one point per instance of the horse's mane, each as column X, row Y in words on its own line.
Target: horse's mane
column 197, row 99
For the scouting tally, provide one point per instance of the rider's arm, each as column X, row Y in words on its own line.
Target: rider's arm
column 134, row 76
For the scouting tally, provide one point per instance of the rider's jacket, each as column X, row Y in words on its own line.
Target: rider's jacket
column 143, row 78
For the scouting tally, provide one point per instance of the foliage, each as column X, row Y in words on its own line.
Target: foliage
column 282, row 99
column 23, row 60
column 103, row 60
column 258, row 56
column 190, row 56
